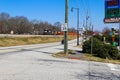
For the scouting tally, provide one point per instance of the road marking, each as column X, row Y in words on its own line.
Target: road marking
column 8, row 50
column 113, row 67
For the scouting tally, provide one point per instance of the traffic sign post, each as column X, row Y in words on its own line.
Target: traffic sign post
column 64, row 27
column 66, row 32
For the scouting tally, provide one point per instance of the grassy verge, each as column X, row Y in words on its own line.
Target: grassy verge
column 29, row 40
column 97, row 59
column 87, row 57
column 62, row 55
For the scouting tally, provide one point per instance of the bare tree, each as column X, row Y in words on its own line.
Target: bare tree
column 4, row 16
column 21, row 25
column 4, row 22
column 106, row 31
column 57, row 25
column 72, row 29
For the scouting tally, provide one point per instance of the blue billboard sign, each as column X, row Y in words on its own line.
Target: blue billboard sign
column 112, row 3
column 112, row 11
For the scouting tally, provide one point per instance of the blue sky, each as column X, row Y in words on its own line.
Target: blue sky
column 54, row 10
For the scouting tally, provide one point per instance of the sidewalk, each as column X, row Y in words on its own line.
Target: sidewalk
column 76, row 55
column 76, row 52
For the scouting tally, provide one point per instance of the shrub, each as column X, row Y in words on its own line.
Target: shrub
column 118, row 56
column 108, row 38
column 113, row 52
column 86, row 46
column 103, row 53
column 96, row 45
column 100, row 49
column 98, row 37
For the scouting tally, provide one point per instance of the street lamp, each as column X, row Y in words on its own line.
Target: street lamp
column 77, row 23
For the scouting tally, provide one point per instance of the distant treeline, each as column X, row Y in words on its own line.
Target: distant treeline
column 21, row 25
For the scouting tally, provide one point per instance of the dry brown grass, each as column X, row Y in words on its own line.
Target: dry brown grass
column 62, row 54
column 87, row 57
column 29, row 40
column 97, row 59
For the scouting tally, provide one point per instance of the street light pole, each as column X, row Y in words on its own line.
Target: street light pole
column 77, row 24
column 66, row 32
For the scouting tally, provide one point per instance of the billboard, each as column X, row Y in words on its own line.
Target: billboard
column 112, row 11
column 112, row 20
column 112, row 3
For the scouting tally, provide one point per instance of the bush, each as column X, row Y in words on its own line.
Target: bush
column 86, row 46
column 103, row 53
column 100, row 49
column 96, row 46
column 113, row 52
column 98, row 37
column 108, row 38
column 108, row 51
column 118, row 56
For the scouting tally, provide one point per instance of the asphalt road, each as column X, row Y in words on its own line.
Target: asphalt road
column 34, row 62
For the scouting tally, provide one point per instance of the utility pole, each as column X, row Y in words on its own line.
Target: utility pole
column 84, row 26
column 77, row 23
column 91, row 48
column 87, row 23
column 119, row 39
column 77, row 26
column 83, row 23
column 90, row 27
column 66, row 32
column 83, row 33
column 92, row 40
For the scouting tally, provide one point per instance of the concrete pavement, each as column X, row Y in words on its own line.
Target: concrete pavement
column 34, row 62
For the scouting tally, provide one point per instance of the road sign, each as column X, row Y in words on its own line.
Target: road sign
column 64, row 27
